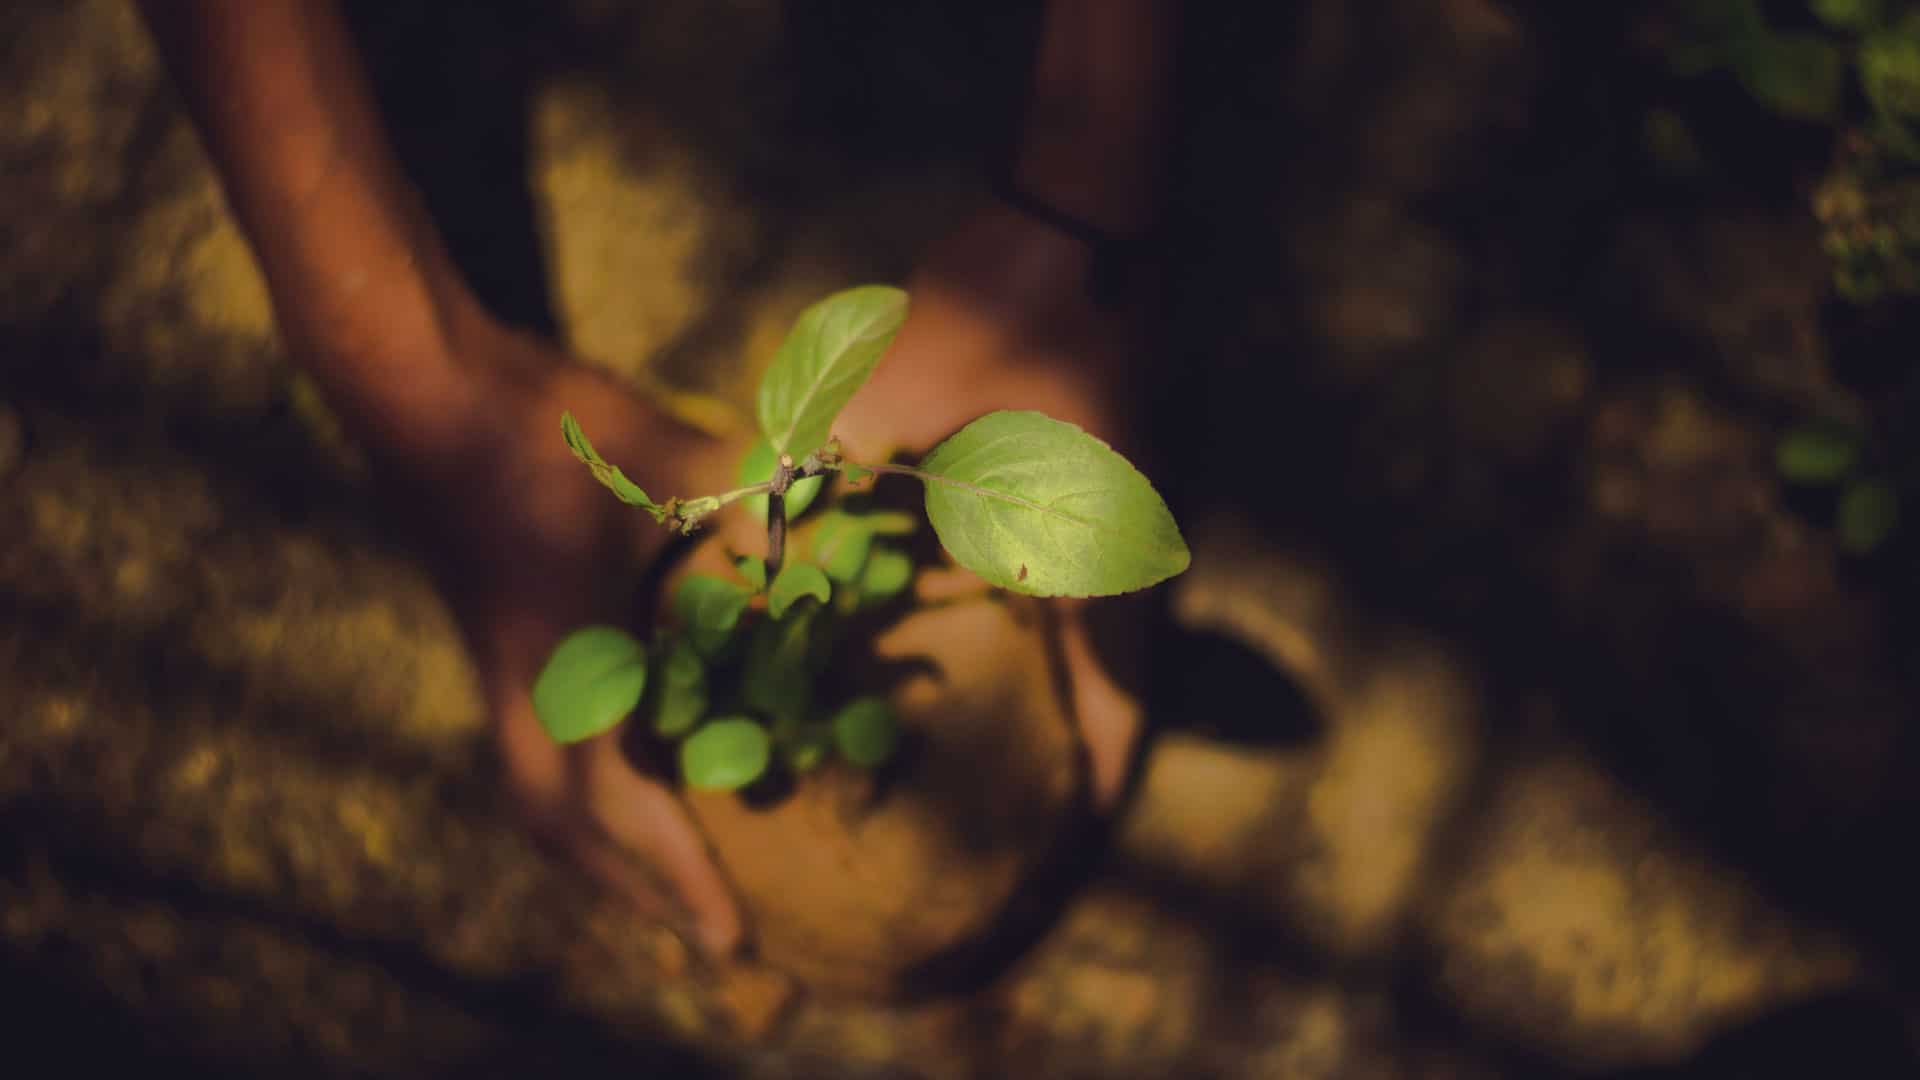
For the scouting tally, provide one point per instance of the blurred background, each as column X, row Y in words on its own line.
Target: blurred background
column 1539, row 398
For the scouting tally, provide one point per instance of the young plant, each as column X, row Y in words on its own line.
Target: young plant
column 1029, row 503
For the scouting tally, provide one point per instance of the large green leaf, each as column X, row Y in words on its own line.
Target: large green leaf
column 725, row 754
column 615, row 480
column 679, row 697
column 591, row 681
column 708, row 609
column 794, row 581
column 1036, row 505
column 825, row 359
column 756, row 467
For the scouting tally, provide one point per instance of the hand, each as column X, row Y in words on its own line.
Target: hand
column 529, row 546
column 1000, row 318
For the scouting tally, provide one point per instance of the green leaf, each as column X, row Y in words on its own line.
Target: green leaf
column 1869, row 512
column 756, row 467
column 840, row 545
column 888, row 572
column 1889, row 66
column 866, row 732
column 725, row 754
column 628, row 491
column 1037, row 506
column 591, row 681
column 796, row 580
column 1819, row 452
column 708, row 608
column 889, row 522
column 754, row 569
column 777, row 678
column 1796, row 75
column 1725, row 18
column 1855, row 15
column 679, row 697
column 826, row 358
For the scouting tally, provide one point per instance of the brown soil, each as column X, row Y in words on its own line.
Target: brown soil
column 876, row 882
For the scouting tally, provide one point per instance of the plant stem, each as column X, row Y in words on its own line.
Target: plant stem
column 737, row 494
column 897, row 470
column 783, row 475
column 776, row 533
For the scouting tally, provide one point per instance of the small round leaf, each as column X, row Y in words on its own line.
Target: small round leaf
column 679, row 691
column 840, row 546
column 591, row 681
column 796, row 580
column 708, row 609
column 1820, row 452
column 725, row 754
column 865, row 731
column 888, row 572
column 1869, row 512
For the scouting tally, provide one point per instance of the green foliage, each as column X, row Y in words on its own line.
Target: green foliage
column 1827, row 453
column 1035, row 505
column 1818, row 452
column 591, row 682
column 824, row 361
column 865, row 731
column 778, row 678
column 754, row 569
column 1868, row 203
column 708, row 609
column 725, row 754
column 757, row 468
column 1868, row 514
column 841, row 544
column 615, row 480
column 1796, row 75
column 1854, row 15
column 679, row 690
column 887, row 574
column 1029, row 503
column 795, row 582
column 1890, row 71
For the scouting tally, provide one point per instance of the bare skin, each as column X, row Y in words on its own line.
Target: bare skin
column 459, row 411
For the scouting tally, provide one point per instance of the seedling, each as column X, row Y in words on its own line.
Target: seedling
column 1031, row 504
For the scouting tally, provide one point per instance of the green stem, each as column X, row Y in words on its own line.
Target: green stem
column 897, row 470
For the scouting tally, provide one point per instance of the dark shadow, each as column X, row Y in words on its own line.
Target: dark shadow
column 1852, row 1035
column 87, row 857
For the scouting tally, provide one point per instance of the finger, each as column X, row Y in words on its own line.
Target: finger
column 1109, row 718
column 646, row 822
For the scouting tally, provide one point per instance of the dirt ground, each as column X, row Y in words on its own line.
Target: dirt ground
column 1512, row 721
